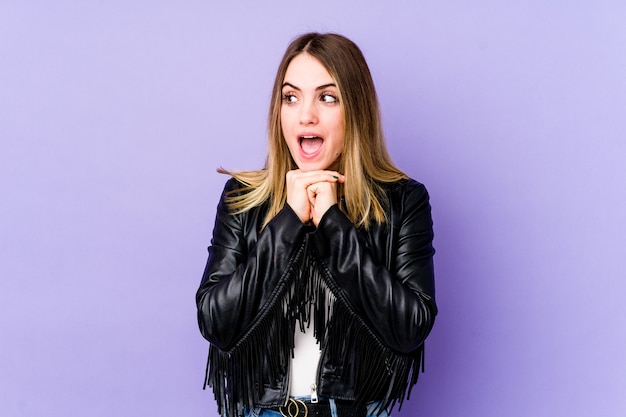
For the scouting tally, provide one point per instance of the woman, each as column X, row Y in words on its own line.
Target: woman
column 318, row 292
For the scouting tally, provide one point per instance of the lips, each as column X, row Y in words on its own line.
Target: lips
column 310, row 145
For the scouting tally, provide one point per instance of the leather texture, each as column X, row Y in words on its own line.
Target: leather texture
column 383, row 277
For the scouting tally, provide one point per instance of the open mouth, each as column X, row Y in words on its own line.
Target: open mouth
column 311, row 144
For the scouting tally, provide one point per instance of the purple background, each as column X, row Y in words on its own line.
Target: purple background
column 114, row 116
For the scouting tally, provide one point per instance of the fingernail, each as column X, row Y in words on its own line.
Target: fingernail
column 335, row 177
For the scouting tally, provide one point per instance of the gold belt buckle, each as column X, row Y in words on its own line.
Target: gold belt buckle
column 294, row 402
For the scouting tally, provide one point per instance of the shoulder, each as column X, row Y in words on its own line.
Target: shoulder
column 408, row 202
column 405, row 189
column 236, row 202
column 234, row 189
column 233, row 185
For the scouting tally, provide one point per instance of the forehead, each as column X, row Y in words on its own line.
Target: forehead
column 306, row 71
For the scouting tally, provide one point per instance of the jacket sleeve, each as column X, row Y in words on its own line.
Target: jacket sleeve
column 396, row 302
column 243, row 272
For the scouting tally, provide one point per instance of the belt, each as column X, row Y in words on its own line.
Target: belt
column 305, row 408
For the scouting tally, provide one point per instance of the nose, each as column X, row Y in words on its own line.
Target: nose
column 308, row 113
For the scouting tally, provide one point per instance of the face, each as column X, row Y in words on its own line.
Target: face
column 311, row 116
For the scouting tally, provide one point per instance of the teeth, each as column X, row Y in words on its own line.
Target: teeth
column 308, row 137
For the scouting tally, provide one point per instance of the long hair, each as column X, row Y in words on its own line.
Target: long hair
column 364, row 160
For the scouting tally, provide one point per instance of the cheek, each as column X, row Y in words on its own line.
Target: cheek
column 285, row 130
column 284, row 117
column 340, row 149
column 339, row 125
column 342, row 141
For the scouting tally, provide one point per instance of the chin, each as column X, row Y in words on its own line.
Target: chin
column 319, row 165
column 307, row 168
column 312, row 167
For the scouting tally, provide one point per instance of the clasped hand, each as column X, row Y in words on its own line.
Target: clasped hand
column 311, row 193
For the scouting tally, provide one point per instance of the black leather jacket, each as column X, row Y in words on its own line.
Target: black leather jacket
column 372, row 327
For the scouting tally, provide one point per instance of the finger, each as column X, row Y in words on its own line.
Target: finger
column 309, row 178
column 311, row 194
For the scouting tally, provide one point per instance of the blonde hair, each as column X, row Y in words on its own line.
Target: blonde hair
column 365, row 161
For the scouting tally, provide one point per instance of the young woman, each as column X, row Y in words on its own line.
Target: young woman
column 318, row 292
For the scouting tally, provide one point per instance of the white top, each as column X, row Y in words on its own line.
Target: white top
column 304, row 363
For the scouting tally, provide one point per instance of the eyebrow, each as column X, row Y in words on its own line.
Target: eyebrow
column 321, row 87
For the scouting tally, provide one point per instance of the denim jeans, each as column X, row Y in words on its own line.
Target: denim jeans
column 264, row 412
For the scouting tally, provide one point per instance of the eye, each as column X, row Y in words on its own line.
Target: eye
column 329, row 98
column 289, row 98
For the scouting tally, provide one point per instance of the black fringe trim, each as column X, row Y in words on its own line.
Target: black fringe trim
column 381, row 374
column 307, row 294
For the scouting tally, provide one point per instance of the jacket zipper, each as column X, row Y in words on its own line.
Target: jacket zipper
column 314, row 398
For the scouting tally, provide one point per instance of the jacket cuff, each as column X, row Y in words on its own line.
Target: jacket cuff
column 329, row 230
column 287, row 219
